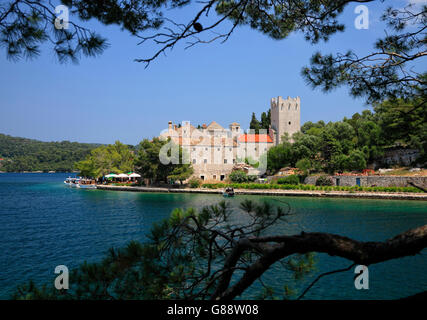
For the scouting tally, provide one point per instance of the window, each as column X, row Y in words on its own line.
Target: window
column 206, row 149
column 225, row 161
column 289, row 123
column 202, row 177
column 194, row 161
column 234, row 160
column 230, row 149
column 205, row 161
column 222, row 177
column 214, row 176
column 219, row 149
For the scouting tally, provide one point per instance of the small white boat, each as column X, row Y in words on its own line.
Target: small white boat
column 86, row 184
column 72, row 182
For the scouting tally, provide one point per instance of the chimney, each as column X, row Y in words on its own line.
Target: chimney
column 170, row 125
column 204, row 126
column 174, row 127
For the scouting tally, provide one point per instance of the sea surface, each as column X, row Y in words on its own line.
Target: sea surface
column 44, row 223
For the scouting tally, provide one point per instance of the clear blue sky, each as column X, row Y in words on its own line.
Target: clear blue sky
column 114, row 98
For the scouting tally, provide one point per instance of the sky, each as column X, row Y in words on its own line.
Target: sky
column 109, row 98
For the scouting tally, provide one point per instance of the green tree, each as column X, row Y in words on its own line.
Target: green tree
column 401, row 120
column 254, row 124
column 279, row 156
column 305, row 146
column 304, row 165
column 356, row 160
column 149, row 166
column 181, row 173
column 103, row 160
column 340, row 163
column 265, row 120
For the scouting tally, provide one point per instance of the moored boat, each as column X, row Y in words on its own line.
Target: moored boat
column 228, row 192
column 72, row 182
column 86, row 184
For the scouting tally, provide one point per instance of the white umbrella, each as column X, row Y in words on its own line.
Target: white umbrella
column 122, row 175
column 134, row 175
column 111, row 175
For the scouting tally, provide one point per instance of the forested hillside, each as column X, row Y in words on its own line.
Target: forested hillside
column 21, row 154
column 352, row 144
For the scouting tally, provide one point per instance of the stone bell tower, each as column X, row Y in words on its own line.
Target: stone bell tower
column 285, row 116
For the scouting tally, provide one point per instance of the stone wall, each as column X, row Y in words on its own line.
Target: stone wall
column 209, row 172
column 369, row 181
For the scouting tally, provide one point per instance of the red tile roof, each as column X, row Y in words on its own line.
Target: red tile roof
column 255, row 138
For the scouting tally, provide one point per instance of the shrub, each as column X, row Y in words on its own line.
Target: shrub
column 324, row 181
column 251, row 178
column 303, row 165
column 194, row 183
column 238, row 176
column 293, row 179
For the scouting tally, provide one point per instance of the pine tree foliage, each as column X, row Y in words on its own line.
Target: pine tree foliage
column 390, row 71
column 26, row 25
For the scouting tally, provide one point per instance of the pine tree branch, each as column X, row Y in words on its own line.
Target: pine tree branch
column 366, row 253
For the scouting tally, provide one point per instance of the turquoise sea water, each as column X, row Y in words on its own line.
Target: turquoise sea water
column 44, row 223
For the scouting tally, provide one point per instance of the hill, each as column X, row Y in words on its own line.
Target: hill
column 21, row 154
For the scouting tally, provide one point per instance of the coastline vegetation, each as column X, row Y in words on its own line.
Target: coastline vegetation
column 117, row 158
column 22, row 154
column 352, row 144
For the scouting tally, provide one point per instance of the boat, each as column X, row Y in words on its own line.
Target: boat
column 72, row 182
column 228, row 192
column 86, row 184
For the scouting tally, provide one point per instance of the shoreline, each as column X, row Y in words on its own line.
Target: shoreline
column 289, row 193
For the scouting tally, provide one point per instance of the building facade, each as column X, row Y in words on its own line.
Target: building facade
column 214, row 150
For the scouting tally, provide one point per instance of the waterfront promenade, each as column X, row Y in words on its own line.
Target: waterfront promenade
column 275, row 192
